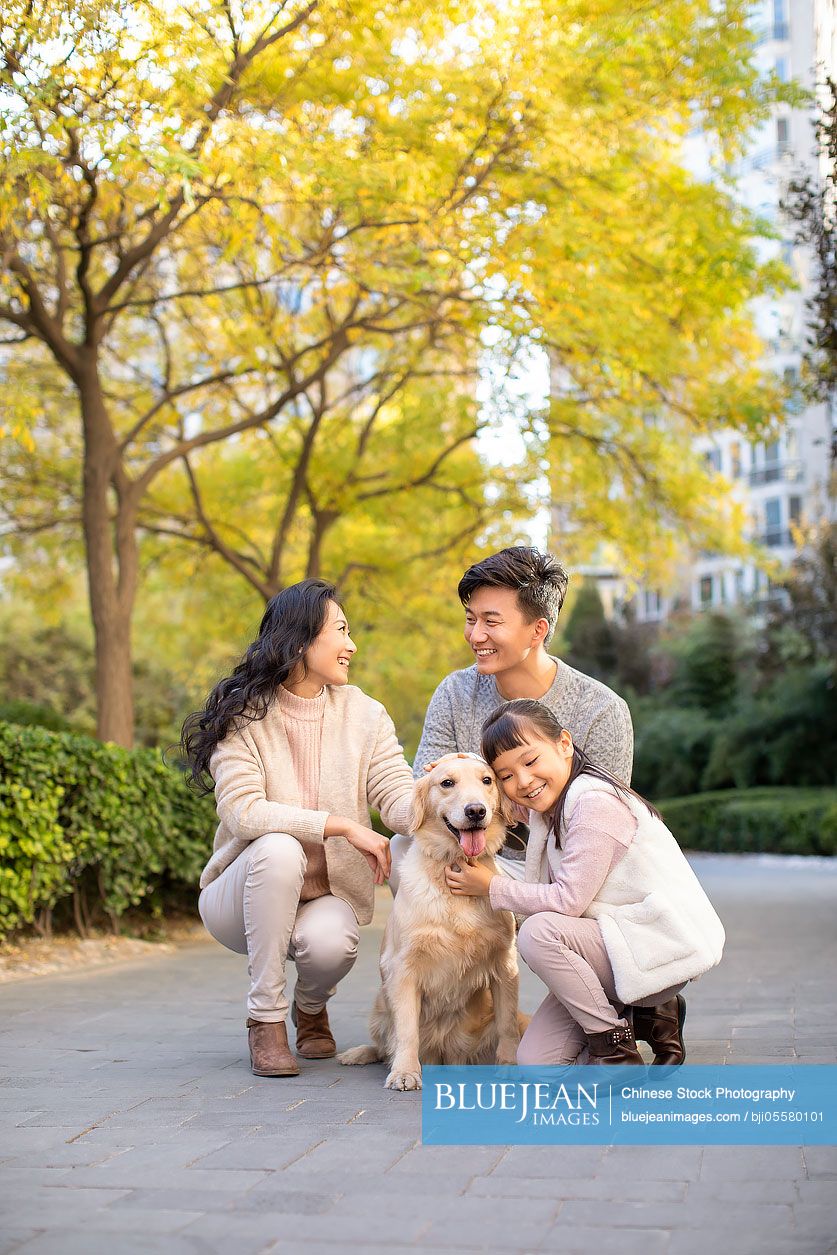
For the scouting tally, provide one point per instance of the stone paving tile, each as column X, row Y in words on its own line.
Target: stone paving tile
column 751, row 1163
column 547, row 1161
column 247, row 1235
column 523, row 1188
column 266, row 1153
column 767, row 1190
column 42, row 1208
column 158, row 1221
column 81, row 1241
column 766, row 1218
column 719, row 1237
column 371, row 1248
column 511, row 1232
column 440, row 1159
column 12, row 1239
column 820, row 1161
column 120, row 1175
column 601, row 1240
column 654, row 1163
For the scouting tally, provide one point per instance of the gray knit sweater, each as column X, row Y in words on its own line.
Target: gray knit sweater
column 598, row 720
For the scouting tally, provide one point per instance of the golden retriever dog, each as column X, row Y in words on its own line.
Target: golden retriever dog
column 449, row 978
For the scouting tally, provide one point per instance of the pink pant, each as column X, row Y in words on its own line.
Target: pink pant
column 253, row 907
column 569, row 956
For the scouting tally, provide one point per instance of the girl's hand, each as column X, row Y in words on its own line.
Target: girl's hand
column 374, row 848
column 469, row 879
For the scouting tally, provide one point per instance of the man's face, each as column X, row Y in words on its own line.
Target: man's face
column 497, row 631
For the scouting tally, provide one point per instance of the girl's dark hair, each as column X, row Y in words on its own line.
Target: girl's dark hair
column 291, row 623
column 506, row 728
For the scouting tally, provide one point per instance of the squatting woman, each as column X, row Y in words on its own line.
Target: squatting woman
column 297, row 756
column 615, row 915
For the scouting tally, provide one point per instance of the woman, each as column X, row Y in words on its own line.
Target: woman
column 297, row 756
column 616, row 916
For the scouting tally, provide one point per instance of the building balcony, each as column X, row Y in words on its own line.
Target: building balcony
column 774, row 473
column 775, row 538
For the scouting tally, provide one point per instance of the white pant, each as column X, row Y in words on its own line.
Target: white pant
column 399, row 845
column 253, row 908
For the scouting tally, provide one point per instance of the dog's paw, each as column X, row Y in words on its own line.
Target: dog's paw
column 403, row 1080
column 357, row 1056
column 506, row 1056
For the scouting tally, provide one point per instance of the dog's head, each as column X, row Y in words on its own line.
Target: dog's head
column 458, row 806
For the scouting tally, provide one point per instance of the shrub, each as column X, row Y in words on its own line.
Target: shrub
column 109, row 828
column 671, row 750
column 33, row 714
column 775, row 821
column 785, row 736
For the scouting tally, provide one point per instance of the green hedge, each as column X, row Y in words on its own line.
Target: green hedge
column 93, row 826
column 775, row 821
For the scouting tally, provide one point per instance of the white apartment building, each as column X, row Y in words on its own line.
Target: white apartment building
column 783, row 484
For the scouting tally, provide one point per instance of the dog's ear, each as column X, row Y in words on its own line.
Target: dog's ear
column 511, row 812
column 419, row 807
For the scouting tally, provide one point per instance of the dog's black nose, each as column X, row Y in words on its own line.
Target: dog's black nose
column 475, row 812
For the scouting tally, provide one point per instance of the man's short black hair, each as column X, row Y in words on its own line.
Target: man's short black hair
column 538, row 579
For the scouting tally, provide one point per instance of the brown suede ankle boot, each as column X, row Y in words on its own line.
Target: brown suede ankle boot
column 662, row 1028
column 616, row 1045
column 270, row 1054
column 313, row 1034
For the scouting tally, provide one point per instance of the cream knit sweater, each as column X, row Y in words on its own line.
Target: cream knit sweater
column 303, row 721
column 361, row 765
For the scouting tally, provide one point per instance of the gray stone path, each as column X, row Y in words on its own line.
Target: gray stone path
column 130, row 1121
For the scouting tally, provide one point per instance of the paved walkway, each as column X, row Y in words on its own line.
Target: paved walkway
column 131, row 1123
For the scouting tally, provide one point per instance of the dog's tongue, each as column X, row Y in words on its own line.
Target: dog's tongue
column 472, row 841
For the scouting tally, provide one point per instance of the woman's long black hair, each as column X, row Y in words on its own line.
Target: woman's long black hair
column 291, row 623
column 506, row 728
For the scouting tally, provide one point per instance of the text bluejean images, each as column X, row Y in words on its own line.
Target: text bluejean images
column 729, row 1105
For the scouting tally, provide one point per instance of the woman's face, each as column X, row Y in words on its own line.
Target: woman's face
column 535, row 773
column 327, row 659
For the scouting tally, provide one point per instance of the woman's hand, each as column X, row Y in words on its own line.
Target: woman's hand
column 469, row 879
column 374, row 848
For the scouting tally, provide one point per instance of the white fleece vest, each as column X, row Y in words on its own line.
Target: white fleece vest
column 658, row 925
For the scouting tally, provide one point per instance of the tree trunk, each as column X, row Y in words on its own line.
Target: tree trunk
column 111, row 560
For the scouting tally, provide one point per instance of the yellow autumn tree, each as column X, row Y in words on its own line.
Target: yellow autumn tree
column 211, row 214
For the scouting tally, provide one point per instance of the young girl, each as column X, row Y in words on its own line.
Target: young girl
column 615, row 915
column 297, row 756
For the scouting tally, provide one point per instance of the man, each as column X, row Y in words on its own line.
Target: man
column 512, row 601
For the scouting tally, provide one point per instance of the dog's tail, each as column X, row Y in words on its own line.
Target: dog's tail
column 359, row 1055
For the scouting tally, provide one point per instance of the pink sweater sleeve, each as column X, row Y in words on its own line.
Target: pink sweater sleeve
column 599, row 832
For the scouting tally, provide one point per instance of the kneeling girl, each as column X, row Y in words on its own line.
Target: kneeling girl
column 615, row 916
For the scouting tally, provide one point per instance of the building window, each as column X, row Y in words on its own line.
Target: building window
column 706, row 590
column 739, row 584
column 794, row 510
column 783, row 134
column 653, row 603
column 791, row 377
column 782, row 69
column 712, row 457
column 735, row 458
column 773, row 535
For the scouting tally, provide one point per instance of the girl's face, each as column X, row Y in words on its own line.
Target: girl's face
column 535, row 773
column 328, row 658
